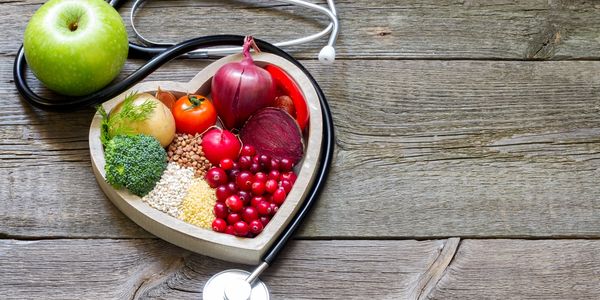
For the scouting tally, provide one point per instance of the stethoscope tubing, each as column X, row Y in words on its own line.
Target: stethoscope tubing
column 332, row 27
column 326, row 157
column 159, row 57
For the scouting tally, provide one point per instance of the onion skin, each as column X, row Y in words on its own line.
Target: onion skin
column 273, row 132
column 239, row 89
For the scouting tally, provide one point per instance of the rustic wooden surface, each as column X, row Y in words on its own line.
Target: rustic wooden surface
column 467, row 160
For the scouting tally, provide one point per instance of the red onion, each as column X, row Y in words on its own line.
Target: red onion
column 239, row 89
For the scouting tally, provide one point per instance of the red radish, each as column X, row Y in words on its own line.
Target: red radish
column 219, row 144
column 239, row 89
column 275, row 134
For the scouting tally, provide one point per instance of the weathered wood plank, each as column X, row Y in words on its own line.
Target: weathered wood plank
column 488, row 29
column 152, row 269
column 518, row 269
column 460, row 148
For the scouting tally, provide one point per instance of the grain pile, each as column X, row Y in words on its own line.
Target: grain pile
column 197, row 206
column 170, row 189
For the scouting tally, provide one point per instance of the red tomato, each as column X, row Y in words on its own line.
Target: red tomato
column 286, row 86
column 194, row 114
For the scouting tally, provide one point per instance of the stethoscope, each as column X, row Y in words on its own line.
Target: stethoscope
column 229, row 284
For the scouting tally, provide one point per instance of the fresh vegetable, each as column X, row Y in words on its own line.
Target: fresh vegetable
column 166, row 97
column 275, row 133
column 194, row 114
column 219, row 144
column 139, row 113
column 285, row 102
column 239, row 89
column 286, row 86
column 135, row 162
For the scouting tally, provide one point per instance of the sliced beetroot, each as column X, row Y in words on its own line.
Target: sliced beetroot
column 275, row 133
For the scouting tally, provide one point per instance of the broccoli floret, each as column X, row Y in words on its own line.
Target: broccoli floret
column 135, row 162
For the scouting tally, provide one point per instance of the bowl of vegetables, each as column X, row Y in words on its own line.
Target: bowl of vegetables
column 218, row 165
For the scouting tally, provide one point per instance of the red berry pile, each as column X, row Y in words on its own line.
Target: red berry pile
column 249, row 191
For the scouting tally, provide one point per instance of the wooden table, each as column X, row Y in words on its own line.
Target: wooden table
column 467, row 160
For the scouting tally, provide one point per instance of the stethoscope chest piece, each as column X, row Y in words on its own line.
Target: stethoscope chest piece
column 232, row 285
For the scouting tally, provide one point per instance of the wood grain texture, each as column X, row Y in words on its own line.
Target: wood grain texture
column 152, row 269
column 540, row 29
column 518, row 269
column 436, row 148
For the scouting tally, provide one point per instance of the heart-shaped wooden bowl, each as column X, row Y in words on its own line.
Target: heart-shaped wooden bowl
column 196, row 239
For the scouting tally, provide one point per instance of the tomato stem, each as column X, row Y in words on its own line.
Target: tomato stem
column 195, row 101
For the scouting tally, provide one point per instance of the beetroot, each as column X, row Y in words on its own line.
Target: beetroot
column 275, row 133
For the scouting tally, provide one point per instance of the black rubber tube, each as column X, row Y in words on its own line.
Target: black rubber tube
column 325, row 164
column 158, row 59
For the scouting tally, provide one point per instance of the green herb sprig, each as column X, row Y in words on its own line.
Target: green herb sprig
column 116, row 123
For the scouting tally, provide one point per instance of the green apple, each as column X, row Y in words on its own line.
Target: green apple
column 75, row 47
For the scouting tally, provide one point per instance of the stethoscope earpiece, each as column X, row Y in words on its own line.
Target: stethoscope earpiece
column 327, row 55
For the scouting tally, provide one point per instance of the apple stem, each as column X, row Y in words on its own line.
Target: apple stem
column 73, row 26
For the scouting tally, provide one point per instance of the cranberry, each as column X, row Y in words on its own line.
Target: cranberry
column 234, row 203
column 265, row 220
column 274, row 165
column 249, row 214
column 264, row 159
column 244, row 180
column 286, row 165
column 274, row 174
column 215, row 177
column 248, row 150
column 233, row 174
column 226, row 164
column 265, row 162
column 274, row 208
column 271, row 186
column 220, row 210
column 256, row 159
column 291, row 176
column 256, row 227
column 232, row 188
column 256, row 200
column 241, row 228
column 219, row 225
column 279, row 196
column 260, row 176
column 255, row 168
column 264, row 208
column 222, row 193
column 286, row 185
column 233, row 218
column 230, row 230
column 258, row 188
column 245, row 197
column 245, row 162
